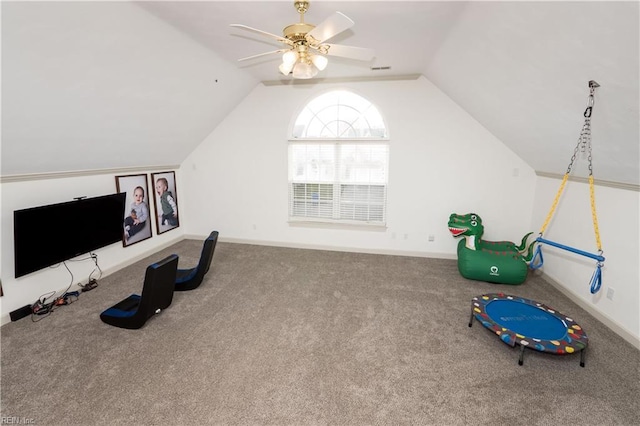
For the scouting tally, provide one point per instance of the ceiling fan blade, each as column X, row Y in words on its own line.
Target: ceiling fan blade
column 333, row 25
column 264, row 33
column 352, row 52
column 262, row 54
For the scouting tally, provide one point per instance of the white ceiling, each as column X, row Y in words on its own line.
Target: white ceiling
column 520, row 68
column 404, row 35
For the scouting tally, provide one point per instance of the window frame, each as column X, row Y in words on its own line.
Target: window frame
column 338, row 184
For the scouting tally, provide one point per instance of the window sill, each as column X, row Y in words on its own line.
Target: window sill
column 356, row 226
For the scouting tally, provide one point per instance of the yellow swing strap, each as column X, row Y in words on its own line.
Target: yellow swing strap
column 555, row 203
column 593, row 213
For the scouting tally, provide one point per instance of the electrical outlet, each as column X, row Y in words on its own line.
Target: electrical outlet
column 432, row 238
column 610, row 293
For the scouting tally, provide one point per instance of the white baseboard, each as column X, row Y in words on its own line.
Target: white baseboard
column 603, row 318
column 389, row 252
column 131, row 261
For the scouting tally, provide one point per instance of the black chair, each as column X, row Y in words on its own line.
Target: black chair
column 188, row 279
column 157, row 294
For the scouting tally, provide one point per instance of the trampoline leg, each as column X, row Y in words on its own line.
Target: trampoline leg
column 471, row 319
column 521, row 359
column 582, row 357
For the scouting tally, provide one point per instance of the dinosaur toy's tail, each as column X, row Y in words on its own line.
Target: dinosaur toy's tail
column 523, row 243
column 529, row 255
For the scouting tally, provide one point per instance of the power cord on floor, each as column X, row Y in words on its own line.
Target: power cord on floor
column 93, row 283
column 42, row 308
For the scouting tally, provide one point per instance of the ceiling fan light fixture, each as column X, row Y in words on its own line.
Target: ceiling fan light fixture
column 306, row 51
column 304, row 70
column 289, row 58
column 286, row 68
column 319, row 61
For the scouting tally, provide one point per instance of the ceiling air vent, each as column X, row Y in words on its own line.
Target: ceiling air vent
column 380, row 68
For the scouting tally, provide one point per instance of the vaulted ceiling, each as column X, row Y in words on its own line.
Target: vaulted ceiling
column 84, row 80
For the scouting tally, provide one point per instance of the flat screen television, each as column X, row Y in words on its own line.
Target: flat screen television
column 46, row 235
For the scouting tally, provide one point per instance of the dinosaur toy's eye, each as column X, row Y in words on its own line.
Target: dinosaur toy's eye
column 474, row 223
column 474, row 217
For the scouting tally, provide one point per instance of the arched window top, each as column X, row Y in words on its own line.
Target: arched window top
column 339, row 114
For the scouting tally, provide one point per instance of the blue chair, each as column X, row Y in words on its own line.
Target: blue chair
column 157, row 295
column 188, row 279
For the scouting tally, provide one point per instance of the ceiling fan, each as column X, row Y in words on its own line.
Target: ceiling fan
column 306, row 49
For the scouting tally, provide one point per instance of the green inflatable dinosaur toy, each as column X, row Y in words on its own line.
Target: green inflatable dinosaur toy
column 501, row 262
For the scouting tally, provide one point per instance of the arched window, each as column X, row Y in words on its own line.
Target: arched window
column 338, row 161
column 339, row 114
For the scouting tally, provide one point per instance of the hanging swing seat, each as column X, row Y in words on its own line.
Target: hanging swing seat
column 584, row 144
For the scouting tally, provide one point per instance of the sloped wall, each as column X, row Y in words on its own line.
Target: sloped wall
column 102, row 85
column 441, row 161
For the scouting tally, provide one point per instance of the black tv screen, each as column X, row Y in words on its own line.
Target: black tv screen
column 46, row 235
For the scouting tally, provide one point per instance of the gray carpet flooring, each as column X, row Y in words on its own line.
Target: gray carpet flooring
column 279, row 336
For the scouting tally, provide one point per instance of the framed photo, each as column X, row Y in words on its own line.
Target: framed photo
column 166, row 201
column 136, row 224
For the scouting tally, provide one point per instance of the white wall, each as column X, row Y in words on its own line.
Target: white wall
column 441, row 161
column 30, row 193
column 93, row 85
column 572, row 225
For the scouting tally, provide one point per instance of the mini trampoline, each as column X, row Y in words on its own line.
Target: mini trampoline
column 530, row 324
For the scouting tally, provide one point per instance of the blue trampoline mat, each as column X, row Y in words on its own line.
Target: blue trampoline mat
column 527, row 320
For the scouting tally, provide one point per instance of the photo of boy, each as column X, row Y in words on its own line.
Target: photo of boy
column 136, row 221
column 136, row 225
column 166, row 201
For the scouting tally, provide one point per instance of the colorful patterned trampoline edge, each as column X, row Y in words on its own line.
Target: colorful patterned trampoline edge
column 575, row 339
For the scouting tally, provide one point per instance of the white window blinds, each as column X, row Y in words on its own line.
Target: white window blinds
column 338, row 181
